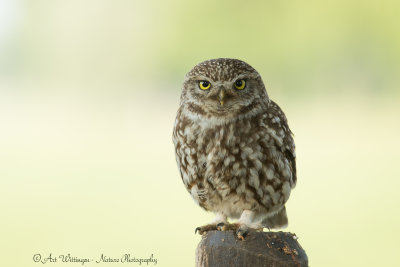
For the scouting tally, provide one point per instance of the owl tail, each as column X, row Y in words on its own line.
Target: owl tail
column 278, row 220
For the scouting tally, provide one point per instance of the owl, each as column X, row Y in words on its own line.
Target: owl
column 233, row 147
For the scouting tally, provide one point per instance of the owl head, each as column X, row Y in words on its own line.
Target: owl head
column 223, row 86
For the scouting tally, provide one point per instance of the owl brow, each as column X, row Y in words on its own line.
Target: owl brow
column 198, row 78
column 242, row 76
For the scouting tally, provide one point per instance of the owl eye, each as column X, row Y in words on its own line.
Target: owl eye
column 204, row 85
column 240, row 84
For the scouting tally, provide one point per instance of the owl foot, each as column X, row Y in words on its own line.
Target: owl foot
column 216, row 224
column 205, row 228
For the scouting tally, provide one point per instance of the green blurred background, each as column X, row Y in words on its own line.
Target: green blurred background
column 88, row 95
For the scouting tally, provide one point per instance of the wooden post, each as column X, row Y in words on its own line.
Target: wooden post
column 218, row 248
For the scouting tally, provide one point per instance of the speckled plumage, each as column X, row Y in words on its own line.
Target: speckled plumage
column 237, row 156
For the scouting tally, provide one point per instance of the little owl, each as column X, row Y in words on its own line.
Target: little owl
column 234, row 148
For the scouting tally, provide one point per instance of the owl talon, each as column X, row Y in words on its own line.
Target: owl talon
column 241, row 233
column 222, row 227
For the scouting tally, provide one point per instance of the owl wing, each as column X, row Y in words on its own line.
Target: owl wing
column 277, row 121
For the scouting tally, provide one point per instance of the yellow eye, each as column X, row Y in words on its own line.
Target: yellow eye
column 240, row 84
column 204, row 85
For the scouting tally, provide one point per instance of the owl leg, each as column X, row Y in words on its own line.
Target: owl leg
column 220, row 219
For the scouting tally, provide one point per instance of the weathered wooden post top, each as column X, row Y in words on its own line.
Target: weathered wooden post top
column 223, row 248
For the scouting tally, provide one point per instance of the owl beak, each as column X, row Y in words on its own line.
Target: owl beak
column 221, row 97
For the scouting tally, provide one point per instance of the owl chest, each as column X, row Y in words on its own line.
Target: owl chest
column 223, row 153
